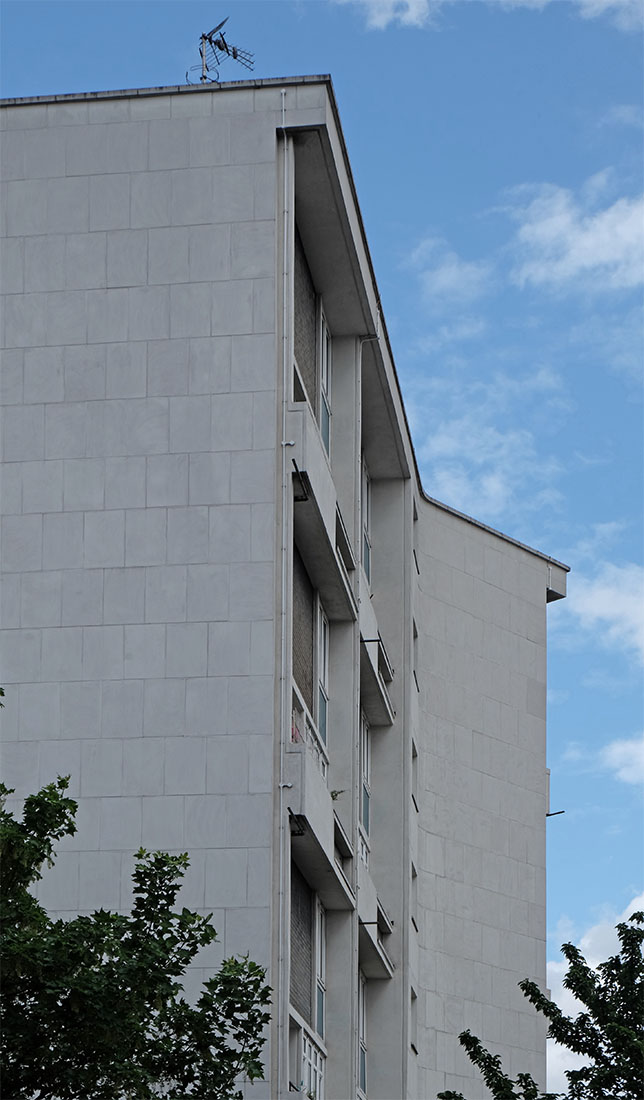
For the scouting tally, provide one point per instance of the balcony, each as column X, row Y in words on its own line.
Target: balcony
column 375, row 673
column 315, row 832
column 307, row 1059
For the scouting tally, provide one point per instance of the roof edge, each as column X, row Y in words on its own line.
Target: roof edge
column 167, row 89
column 491, row 530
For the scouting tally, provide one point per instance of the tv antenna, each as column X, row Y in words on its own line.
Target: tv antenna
column 213, row 50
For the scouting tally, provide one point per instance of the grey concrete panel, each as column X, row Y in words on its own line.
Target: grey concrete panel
column 209, row 478
column 27, row 208
column 149, row 313
column 104, row 538
column 42, row 486
column 150, row 200
column 84, row 484
column 229, row 648
column 165, row 593
column 252, row 477
column 103, row 652
column 232, row 307
column 190, row 310
column 82, row 597
column 11, row 376
column 207, row 594
column 252, row 250
column 127, row 258
column 232, row 189
column 142, row 767
column 145, row 536
column 205, row 821
column 251, row 591
column 186, row 649
column 107, row 315
column 167, row 367
column 62, row 540
column 44, row 263
column 84, row 373
column 190, row 424
column 226, row 877
column 164, row 708
column 230, row 533
column 209, row 253
column 209, row 140
column 168, row 255
column 187, row 535
column 168, row 144
column 68, row 205
column 25, row 320
column 109, row 202
column 126, row 366
column 144, row 655
column 125, row 483
column 22, row 542
column 192, row 197
column 20, row 654
column 120, row 823
column 207, row 706
column 232, row 422
column 40, row 603
column 185, row 765
column 123, row 595
column 80, row 711
column 167, row 480
column 209, row 365
column 62, row 654
column 127, row 146
column 39, row 712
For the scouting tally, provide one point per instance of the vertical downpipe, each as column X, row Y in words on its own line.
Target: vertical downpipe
column 282, row 1004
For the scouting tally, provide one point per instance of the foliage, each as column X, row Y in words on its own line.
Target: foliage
column 92, row 1007
column 608, row 1032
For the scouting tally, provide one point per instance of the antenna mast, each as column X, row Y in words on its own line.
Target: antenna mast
column 213, row 50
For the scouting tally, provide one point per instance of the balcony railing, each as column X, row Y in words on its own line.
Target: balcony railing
column 308, row 1060
column 304, row 731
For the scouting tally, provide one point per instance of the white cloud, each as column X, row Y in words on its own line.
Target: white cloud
column 597, row 944
column 380, row 14
column 472, row 462
column 408, row 13
column 626, row 759
column 562, row 242
column 445, row 278
column 624, row 114
column 627, row 15
column 610, row 605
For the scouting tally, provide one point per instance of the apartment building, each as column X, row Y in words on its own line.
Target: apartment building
column 230, row 610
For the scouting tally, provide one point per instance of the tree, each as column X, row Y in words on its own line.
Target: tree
column 608, row 1032
column 93, row 1007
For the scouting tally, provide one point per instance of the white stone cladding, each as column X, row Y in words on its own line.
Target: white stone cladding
column 161, row 459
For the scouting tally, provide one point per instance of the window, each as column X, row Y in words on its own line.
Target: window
column 320, row 967
column 365, row 781
column 362, row 1034
column 325, row 383
column 323, row 673
column 365, row 505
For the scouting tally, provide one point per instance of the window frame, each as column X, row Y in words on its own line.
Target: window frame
column 325, row 358
column 323, row 638
column 362, row 1034
column 365, row 519
column 319, row 964
column 365, row 785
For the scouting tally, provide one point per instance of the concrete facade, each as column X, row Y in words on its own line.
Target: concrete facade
column 229, row 610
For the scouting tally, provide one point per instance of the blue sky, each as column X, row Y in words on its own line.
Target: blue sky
column 497, row 153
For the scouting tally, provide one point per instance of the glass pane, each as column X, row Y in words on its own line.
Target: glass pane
column 366, row 556
column 320, row 1012
column 363, row 1070
column 365, row 808
column 325, row 424
column 322, row 709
